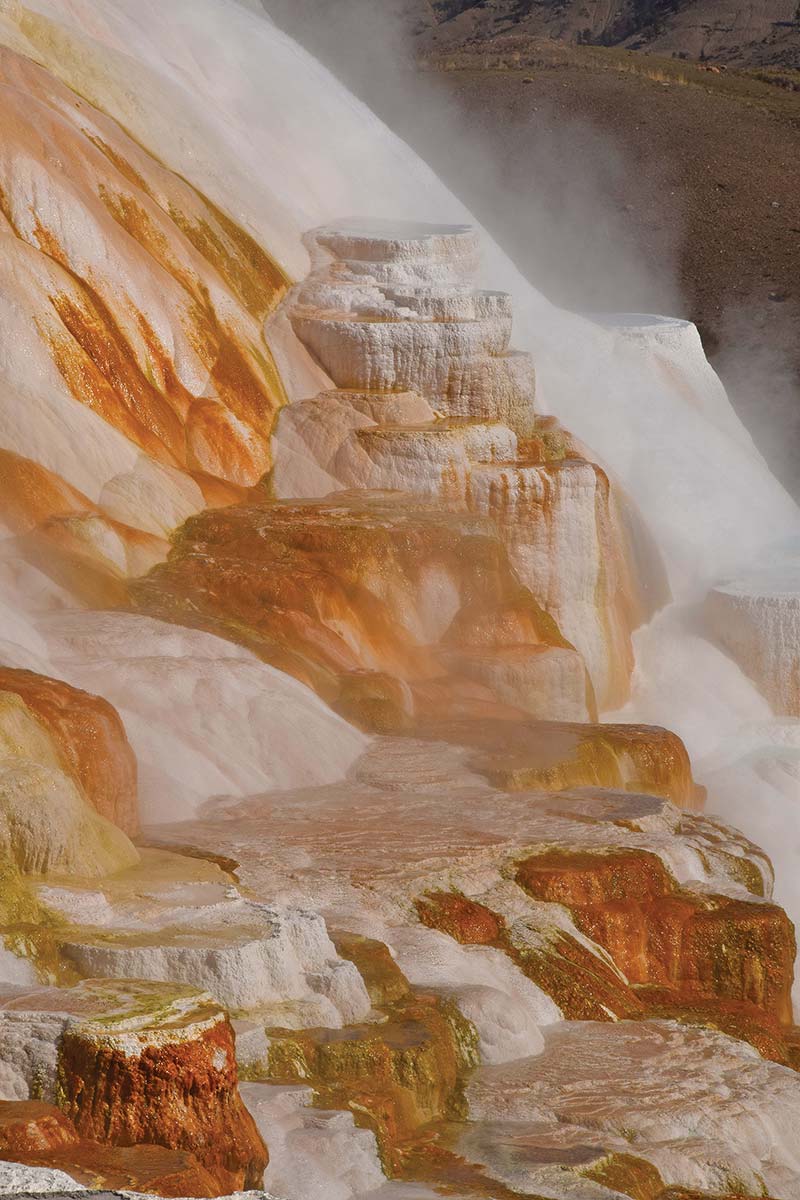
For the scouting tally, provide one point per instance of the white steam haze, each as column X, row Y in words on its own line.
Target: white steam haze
column 554, row 193
column 273, row 138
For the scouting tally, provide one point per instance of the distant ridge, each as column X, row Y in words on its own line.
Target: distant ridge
column 765, row 33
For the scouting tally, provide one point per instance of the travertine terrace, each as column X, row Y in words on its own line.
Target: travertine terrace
column 336, row 860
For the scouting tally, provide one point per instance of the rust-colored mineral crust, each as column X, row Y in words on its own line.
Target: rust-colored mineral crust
column 32, row 1128
column 657, row 933
column 165, row 1079
column 352, row 594
column 40, row 1135
column 557, row 755
column 91, row 739
column 584, row 987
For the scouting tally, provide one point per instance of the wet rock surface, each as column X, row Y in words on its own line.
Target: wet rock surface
column 453, row 933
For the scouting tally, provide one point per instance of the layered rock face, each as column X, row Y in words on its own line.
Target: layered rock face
column 336, row 811
column 756, row 617
column 132, row 1065
column 431, row 399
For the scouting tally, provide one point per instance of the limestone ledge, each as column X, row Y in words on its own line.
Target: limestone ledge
column 755, row 615
column 181, row 920
column 457, row 423
column 130, row 1063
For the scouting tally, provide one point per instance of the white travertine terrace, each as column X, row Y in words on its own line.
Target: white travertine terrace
column 378, row 842
column 384, row 313
column 181, row 921
column 567, row 543
column 681, row 1098
column 278, row 961
column 204, row 715
column 755, row 615
column 391, row 318
column 674, row 351
column 396, row 359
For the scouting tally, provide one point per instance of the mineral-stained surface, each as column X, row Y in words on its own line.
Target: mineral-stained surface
column 48, row 822
column 90, row 739
column 130, row 1065
column 430, row 399
column 756, row 617
column 329, row 863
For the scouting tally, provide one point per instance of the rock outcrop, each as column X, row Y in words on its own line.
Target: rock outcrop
column 131, row 1065
column 430, row 399
column 360, row 605
column 90, row 738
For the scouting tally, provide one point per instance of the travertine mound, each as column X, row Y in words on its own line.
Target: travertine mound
column 367, row 597
column 393, row 318
column 133, row 1063
column 51, row 769
column 91, row 740
column 46, row 825
column 390, row 316
column 756, row 617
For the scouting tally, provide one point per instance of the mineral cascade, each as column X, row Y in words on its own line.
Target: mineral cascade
column 346, row 848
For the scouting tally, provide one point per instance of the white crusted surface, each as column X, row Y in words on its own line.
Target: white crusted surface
column 14, row 1178
column 314, row 1154
column 204, row 716
column 680, row 1097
